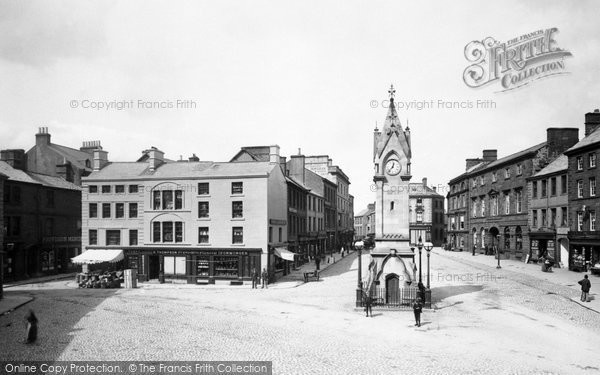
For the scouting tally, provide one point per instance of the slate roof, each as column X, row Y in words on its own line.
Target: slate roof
column 18, row 175
column 591, row 139
column 76, row 157
column 180, row 170
column 418, row 189
column 559, row 164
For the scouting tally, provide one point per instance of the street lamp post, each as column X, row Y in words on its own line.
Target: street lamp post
column 420, row 247
column 428, row 248
column 498, row 251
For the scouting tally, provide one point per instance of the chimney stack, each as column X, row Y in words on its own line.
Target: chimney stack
column 560, row 139
column 155, row 158
column 274, row 154
column 592, row 122
column 42, row 138
column 15, row 158
column 424, row 181
column 100, row 159
column 89, row 147
column 490, row 155
column 297, row 168
column 194, row 158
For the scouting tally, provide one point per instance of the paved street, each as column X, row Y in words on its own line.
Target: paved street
column 487, row 321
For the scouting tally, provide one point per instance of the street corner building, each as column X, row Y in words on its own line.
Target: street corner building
column 186, row 221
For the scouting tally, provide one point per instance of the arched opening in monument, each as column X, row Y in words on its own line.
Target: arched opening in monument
column 392, row 288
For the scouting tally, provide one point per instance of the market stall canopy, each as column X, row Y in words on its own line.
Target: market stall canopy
column 94, row 256
column 284, row 253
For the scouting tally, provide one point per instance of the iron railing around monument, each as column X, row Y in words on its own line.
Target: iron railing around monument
column 401, row 298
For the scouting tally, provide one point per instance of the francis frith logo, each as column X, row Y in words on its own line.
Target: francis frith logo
column 515, row 63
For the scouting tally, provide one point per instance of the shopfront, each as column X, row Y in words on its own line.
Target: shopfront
column 584, row 250
column 542, row 244
column 194, row 266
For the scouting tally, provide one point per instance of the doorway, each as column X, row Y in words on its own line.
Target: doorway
column 392, row 289
column 153, row 267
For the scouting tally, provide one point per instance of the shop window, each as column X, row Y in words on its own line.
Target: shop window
column 105, row 189
column 133, row 210
column 119, row 210
column 226, row 266
column 93, row 234
column 174, row 266
column 203, row 188
column 133, row 189
column 237, row 209
column 93, row 210
column 105, row 210
column 203, row 209
column 202, row 266
column 133, row 237
column 203, row 235
column 113, row 237
column 237, row 188
column 237, row 235
column 119, row 189
column 92, row 189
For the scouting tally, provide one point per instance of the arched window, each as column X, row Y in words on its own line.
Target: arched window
column 482, row 238
column 506, row 238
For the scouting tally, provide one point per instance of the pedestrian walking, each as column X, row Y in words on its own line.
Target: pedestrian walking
column 342, row 251
column 254, row 278
column 585, row 289
column 32, row 327
column 368, row 301
column 417, row 309
column 265, row 279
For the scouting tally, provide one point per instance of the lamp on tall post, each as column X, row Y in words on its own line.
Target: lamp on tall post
column 420, row 247
column 498, row 251
column 428, row 247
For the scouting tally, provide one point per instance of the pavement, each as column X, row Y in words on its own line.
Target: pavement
column 11, row 301
column 559, row 276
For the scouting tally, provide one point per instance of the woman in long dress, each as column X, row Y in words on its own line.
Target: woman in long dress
column 32, row 327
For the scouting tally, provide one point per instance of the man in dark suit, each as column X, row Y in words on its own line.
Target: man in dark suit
column 265, row 279
column 585, row 288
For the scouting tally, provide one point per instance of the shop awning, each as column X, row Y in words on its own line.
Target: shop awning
column 94, row 256
column 284, row 253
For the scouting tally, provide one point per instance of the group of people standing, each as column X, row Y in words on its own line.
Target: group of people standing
column 256, row 279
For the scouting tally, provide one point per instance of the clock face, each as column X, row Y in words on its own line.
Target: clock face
column 393, row 167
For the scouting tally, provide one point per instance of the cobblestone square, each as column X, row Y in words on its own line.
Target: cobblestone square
column 500, row 322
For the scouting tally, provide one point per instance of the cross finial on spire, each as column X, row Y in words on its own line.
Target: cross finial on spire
column 392, row 91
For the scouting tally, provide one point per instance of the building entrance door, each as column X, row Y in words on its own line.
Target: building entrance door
column 153, row 267
column 392, row 289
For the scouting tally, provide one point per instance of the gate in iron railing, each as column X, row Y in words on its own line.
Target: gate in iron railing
column 401, row 298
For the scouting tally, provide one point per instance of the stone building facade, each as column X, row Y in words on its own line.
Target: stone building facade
column 494, row 198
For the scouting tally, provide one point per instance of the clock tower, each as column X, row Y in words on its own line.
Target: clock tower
column 392, row 255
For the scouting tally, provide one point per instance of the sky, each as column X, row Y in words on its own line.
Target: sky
column 308, row 75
